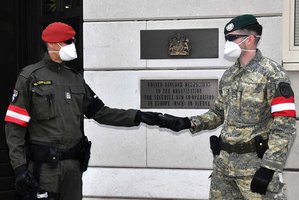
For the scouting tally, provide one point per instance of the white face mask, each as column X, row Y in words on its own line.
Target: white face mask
column 232, row 51
column 68, row 52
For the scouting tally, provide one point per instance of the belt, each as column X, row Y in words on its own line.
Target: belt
column 41, row 153
column 238, row 148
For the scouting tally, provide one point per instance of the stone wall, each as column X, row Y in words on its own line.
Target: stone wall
column 147, row 162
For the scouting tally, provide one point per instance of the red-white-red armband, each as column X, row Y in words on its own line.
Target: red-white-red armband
column 282, row 106
column 17, row 115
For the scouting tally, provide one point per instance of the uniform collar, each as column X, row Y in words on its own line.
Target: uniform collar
column 252, row 65
column 50, row 62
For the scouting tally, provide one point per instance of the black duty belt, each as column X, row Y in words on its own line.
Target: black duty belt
column 41, row 153
column 258, row 144
column 238, row 148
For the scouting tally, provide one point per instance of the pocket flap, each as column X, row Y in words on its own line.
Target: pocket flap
column 77, row 89
column 42, row 91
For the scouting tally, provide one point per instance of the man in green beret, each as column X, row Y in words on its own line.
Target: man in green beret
column 256, row 109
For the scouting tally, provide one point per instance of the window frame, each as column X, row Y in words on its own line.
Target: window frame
column 290, row 51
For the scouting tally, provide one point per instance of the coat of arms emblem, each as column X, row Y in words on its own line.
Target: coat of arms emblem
column 179, row 45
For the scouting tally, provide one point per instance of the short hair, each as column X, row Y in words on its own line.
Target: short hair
column 257, row 28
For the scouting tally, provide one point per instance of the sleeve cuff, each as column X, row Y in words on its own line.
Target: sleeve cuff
column 271, row 165
column 196, row 125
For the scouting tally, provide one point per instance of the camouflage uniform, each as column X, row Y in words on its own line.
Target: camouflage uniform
column 244, row 108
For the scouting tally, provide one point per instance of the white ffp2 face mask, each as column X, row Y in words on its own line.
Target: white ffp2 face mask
column 68, row 52
column 232, row 51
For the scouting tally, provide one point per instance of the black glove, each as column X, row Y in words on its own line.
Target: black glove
column 150, row 118
column 174, row 123
column 25, row 182
column 261, row 180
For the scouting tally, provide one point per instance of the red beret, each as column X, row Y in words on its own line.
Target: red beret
column 58, row 32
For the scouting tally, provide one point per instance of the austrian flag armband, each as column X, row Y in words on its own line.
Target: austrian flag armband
column 283, row 104
column 17, row 115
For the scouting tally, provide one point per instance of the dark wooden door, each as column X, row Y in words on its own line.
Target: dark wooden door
column 21, row 23
column 12, row 20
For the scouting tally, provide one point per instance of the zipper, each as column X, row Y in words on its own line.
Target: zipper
column 240, row 103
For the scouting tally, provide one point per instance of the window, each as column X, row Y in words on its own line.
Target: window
column 296, row 24
column 291, row 35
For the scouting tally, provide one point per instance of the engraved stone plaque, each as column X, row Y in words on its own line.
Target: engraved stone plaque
column 178, row 93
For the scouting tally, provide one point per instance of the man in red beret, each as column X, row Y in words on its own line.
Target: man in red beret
column 47, row 146
column 56, row 33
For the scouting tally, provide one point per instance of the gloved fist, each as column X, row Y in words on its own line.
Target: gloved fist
column 174, row 123
column 150, row 118
column 25, row 182
column 261, row 180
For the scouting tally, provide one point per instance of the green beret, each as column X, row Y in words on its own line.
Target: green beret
column 239, row 22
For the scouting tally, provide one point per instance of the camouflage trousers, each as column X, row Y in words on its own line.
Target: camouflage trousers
column 238, row 188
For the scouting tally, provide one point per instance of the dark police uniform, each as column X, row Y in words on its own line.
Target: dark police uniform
column 47, row 109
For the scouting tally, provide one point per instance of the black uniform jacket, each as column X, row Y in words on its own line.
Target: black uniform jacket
column 48, row 106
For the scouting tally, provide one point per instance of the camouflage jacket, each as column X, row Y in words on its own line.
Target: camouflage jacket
column 245, row 107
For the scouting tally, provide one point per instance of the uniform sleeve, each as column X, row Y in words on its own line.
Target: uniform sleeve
column 94, row 108
column 211, row 119
column 283, row 128
column 17, row 119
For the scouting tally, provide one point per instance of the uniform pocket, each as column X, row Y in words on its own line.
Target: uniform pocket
column 226, row 95
column 43, row 103
column 49, row 177
column 253, row 105
column 77, row 96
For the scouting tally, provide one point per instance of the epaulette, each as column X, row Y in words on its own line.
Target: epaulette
column 28, row 70
column 73, row 69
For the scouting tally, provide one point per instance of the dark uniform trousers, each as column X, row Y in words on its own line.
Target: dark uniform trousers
column 65, row 181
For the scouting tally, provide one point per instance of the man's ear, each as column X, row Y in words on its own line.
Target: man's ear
column 50, row 46
column 252, row 39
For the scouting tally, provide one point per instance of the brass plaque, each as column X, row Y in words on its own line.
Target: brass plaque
column 178, row 93
column 179, row 43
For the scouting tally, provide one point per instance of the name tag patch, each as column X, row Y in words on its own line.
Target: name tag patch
column 37, row 83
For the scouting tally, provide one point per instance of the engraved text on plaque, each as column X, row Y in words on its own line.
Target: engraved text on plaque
column 179, row 93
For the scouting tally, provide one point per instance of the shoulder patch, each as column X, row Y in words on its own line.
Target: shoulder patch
column 285, row 90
